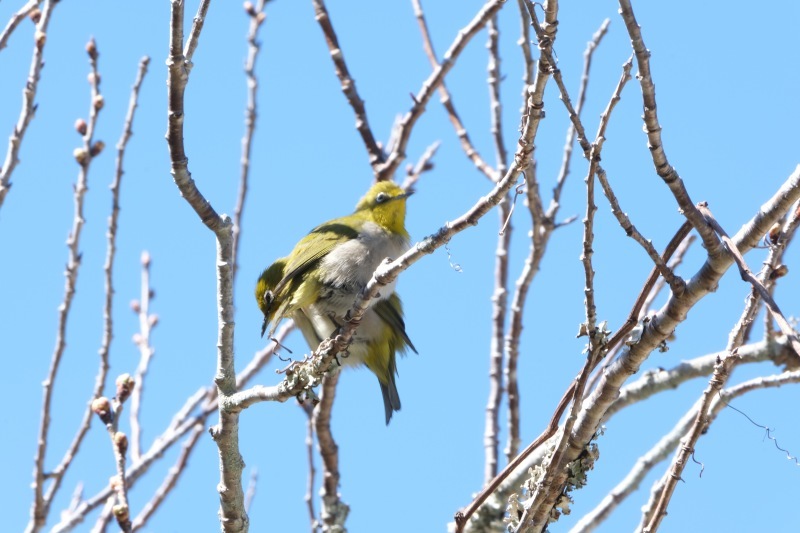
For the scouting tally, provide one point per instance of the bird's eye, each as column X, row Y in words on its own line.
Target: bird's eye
column 382, row 197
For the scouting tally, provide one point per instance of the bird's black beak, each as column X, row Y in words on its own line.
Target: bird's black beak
column 264, row 326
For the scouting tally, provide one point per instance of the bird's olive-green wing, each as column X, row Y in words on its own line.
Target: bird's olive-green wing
column 391, row 311
column 314, row 247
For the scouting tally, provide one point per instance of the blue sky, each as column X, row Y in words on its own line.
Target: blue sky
column 728, row 104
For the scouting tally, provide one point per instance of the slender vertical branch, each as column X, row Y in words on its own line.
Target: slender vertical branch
column 531, row 117
column 333, row 512
column 28, row 95
column 109, row 413
column 252, row 486
column 257, row 18
column 566, row 159
column 84, row 157
column 491, row 439
column 233, row 517
column 111, row 236
column 198, row 22
column 146, row 351
column 312, row 471
column 542, row 228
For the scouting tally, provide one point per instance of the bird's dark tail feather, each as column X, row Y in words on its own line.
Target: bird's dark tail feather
column 391, row 400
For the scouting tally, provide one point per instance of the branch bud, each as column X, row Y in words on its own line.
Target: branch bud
column 779, row 272
column 121, row 512
column 775, row 232
column 81, row 126
column 80, row 155
column 91, row 48
column 96, row 148
column 121, row 442
column 125, row 384
column 102, row 408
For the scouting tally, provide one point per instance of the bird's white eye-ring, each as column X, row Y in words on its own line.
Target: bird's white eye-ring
column 381, row 197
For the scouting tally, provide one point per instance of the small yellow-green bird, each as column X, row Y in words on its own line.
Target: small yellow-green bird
column 318, row 282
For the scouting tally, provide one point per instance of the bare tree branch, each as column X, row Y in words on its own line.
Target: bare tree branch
column 376, row 156
column 423, row 165
column 333, row 512
column 31, row 8
column 386, row 170
column 667, row 444
column 171, row 480
column 142, row 339
column 653, row 129
column 447, row 100
column 491, row 440
column 28, row 96
column 233, row 517
column 257, row 18
column 653, row 515
column 312, row 472
column 588, row 54
column 84, row 157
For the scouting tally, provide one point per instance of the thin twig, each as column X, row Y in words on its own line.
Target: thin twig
column 779, row 238
column 194, row 35
column 252, row 485
column 666, row 445
column 84, row 157
column 491, row 440
column 653, row 129
column 312, row 471
column 423, row 165
column 646, row 303
column 146, row 351
column 171, row 480
column 653, row 515
column 257, row 18
column 111, row 234
column 28, row 106
column 376, row 155
column 109, row 413
column 386, row 170
column 181, row 424
column 29, row 9
column 447, row 100
column 758, row 284
column 566, row 159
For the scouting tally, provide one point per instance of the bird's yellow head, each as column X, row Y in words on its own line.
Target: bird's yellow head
column 385, row 204
column 265, row 291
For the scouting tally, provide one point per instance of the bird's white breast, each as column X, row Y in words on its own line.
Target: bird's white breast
column 349, row 266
